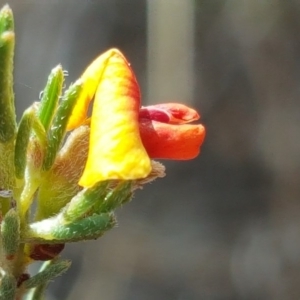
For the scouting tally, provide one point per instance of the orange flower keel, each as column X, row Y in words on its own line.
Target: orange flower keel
column 166, row 135
column 166, row 141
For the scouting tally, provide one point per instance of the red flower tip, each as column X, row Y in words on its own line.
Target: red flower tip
column 172, row 113
column 165, row 134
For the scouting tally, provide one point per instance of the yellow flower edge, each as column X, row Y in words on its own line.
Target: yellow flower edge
column 115, row 149
column 90, row 78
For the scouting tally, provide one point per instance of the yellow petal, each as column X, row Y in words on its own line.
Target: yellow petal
column 90, row 78
column 116, row 150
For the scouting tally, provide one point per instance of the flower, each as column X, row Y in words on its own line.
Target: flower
column 124, row 135
column 164, row 132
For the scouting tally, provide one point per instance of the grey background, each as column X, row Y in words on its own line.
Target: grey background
column 225, row 225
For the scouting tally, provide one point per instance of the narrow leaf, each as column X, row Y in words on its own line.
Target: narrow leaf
column 59, row 124
column 53, row 231
column 51, row 96
column 116, row 197
column 8, row 287
column 6, row 19
column 83, row 201
column 49, row 272
column 10, row 231
column 29, row 123
column 7, row 108
column 88, row 228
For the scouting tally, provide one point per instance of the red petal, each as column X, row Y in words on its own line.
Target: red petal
column 172, row 113
column 165, row 141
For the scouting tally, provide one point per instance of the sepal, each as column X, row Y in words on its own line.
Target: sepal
column 60, row 183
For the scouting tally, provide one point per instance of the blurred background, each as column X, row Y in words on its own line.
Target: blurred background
column 226, row 225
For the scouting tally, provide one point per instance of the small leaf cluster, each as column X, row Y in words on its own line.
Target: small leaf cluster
column 42, row 205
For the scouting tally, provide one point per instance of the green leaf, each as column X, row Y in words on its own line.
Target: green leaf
column 83, row 201
column 22, row 140
column 60, row 121
column 88, row 228
column 49, row 271
column 120, row 194
column 8, row 287
column 6, row 19
column 10, row 231
column 37, row 293
column 7, row 107
column 54, row 231
column 51, row 96
column 29, row 123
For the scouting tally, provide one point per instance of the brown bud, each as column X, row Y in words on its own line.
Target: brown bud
column 45, row 252
column 23, row 277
